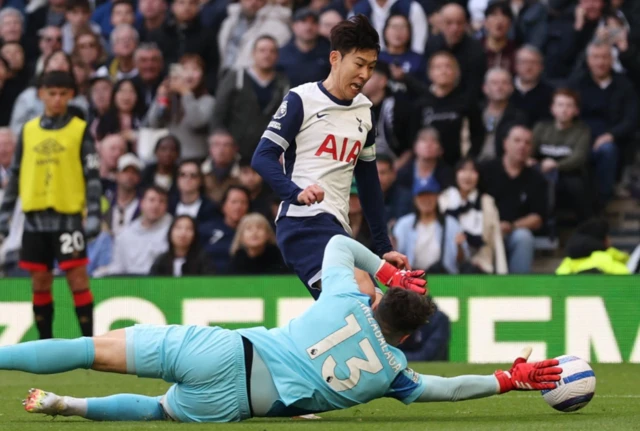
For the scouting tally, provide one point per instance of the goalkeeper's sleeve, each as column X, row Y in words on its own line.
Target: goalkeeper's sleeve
column 457, row 388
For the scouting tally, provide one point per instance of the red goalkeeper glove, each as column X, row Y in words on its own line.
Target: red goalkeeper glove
column 524, row 376
column 393, row 277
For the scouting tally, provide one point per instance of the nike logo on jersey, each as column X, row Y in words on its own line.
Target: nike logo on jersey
column 320, row 116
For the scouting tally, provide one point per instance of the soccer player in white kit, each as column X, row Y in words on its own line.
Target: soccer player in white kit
column 325, row 133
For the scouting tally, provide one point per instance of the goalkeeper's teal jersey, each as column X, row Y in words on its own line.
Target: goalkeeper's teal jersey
column 334, row 356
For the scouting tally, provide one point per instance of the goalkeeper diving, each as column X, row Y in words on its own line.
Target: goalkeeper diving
column 338, row 354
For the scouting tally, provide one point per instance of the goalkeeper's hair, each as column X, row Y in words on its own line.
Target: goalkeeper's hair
column 402, row 312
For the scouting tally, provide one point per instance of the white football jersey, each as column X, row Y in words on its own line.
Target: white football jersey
column 323, row 138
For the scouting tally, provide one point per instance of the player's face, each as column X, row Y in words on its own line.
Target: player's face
column 182, row 233
column 353, row 70
column 564, row 109
column 55, row 99
column 255, row 235
column 426, row 203
column 467, row 178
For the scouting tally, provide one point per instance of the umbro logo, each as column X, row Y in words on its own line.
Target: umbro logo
column 320, row 116
column 48, row 147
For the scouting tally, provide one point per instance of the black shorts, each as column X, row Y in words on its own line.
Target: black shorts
column 41, row 249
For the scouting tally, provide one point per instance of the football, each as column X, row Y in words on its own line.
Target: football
column 576, row 388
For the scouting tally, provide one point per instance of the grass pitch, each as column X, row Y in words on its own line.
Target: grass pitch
column 616, row 406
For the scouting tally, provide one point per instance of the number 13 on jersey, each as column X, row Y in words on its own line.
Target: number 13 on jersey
column 356, row 365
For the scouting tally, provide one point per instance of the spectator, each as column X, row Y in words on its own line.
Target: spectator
column 122, row 12
column 191, row 200
column 184, row 256
column 77, row 16
column 562, row 148
column 49, row 13
column 7, row 148
column 255, row 92
column 149, row 63
column 520, row 195
column 261, row 194
column 185, row 34
column 125, row 113
column 100, row 94
column 110, row 150
column 384, row 111
column 217, row 235
column 221, row 168
column 306, row 57
column 427, row 162
column 499, row 50
column 568, row 37
column 397, row 200
column 164, row 171
column 397, row 40
column 247, row 21
column 183, row 105
column 431, row 242
column 589, row 251
column 154, row 15
column 138, row 245
column 82, row 73
column 343, row 7
column 444, row 107
column 610, row 109
column 28, row 105
column 532, row 95
column 124, row 204
column 124, row 41
column 499, row 113
column 469, row 53
column 7, row 94
column 88, row 48
column 359, row 227
column 327, row 20
column 50, row 41
column 478, row 216
column 11, row 25
column 431, row 341
column 379, row 11
column 254, row 250
column 13, row 53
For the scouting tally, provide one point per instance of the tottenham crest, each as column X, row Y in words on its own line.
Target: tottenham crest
column 281, row 112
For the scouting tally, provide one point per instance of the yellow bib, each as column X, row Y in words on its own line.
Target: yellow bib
column 51, row 172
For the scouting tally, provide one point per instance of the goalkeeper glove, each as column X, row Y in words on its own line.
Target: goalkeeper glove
column 393, row 277
column 524, row 376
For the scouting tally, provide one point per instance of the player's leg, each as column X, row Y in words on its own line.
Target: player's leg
column 36, row 256
column 71, row 254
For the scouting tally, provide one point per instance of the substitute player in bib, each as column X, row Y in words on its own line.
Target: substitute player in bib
column 338, row 354
column 326, row 132
column 55, row 174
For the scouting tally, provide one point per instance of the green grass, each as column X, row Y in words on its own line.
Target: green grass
column 615, row 406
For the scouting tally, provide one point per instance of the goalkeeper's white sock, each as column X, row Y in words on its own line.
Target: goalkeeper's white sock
column 74, row 406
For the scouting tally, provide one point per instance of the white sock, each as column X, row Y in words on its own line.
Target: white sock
column 74, row 406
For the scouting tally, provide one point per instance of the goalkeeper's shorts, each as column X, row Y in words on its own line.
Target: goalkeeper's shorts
column 206, row 365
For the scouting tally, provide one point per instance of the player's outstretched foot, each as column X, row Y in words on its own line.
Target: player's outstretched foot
column 310, row 416
column 39, row 401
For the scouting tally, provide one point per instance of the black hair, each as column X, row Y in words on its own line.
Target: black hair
column 499, row 5
column 110, row 122
column 265, row 37
column 114, row 3
column 384, row 159
column 402, row 312
column 386, row 25
column 73, row 4
column 170, row 137
column 355, row 33
column 512, row 125
column 194, row 247
column 156, row 188
column 476, row 166
column 57, row 79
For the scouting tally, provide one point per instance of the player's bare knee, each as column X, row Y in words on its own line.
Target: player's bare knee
column 110, row 354
column 41, row 281
column 78, row 279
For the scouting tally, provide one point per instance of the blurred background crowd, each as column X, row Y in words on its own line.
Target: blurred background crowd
column 507, row 130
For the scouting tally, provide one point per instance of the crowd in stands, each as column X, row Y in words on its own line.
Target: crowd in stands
column 492, row 115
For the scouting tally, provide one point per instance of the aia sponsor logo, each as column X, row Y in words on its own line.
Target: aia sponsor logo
column 344, row 151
